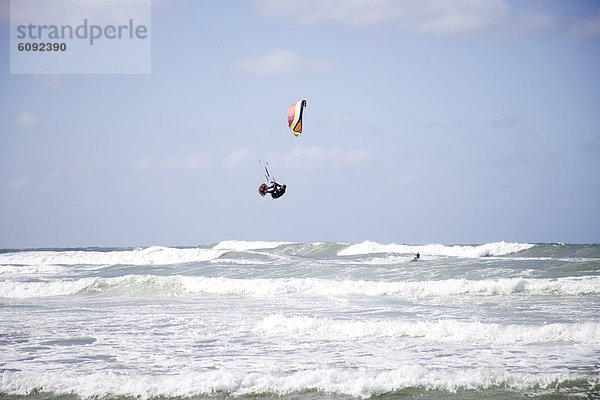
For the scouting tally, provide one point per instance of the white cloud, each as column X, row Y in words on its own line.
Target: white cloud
column 587, row 27
column 312, row 157
column 418, row 16
column 279, row 63
column 16, row 184
column 185, row 163
column 53, row 175
column 238, row 159
column 300, row 157
column 26, row 120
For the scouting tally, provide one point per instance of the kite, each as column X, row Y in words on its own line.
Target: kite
column 295, row 116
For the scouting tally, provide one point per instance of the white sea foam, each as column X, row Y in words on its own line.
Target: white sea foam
column 298, row 320
column 353, row 382
column 450, row 287
column 442, row 330
column 30, row 269
column 484, row 250
column 26, row 290
column 159, row 255
column 242, row 245
column 140, row 285
column 156, row 255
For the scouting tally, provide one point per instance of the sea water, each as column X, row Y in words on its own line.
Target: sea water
column 241, row 320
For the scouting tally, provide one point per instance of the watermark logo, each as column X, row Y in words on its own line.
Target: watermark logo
column 86, row 37
column 84, row 31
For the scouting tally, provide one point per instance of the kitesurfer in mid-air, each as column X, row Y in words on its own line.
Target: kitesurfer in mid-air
column 276, row 190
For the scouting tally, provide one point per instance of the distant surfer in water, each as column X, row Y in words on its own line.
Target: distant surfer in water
column 276, row 190
column 417, row 257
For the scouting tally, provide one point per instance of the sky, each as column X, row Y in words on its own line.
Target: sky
column 426, row 122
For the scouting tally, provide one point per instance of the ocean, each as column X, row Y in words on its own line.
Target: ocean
column 302, row 321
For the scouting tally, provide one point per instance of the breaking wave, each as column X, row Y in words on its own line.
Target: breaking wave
column 243, row 245
column 442, row 330
column 360, row 383
column 159, row 255
column 177, row 285
column 473, row 251
column 156, row 255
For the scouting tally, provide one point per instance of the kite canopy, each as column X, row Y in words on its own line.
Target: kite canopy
column 295, row 116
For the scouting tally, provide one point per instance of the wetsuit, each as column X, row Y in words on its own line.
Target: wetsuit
column 276, row 190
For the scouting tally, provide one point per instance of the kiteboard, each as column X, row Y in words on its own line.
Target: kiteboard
column 262, row 190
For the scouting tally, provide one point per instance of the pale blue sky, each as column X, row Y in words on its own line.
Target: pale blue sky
column 427, row 122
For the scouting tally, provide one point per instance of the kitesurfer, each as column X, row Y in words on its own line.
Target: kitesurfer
column 276, row 190
column 417, row 257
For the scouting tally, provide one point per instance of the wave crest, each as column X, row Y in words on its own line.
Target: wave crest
column 442, row 330
column 358, row 383
column 177, row 285
column 155, row 255
column 471, row 251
